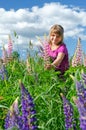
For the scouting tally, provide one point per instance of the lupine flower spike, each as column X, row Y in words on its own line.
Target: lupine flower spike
column 68, row 112
column 84, row 77
column 40, row 47
column 3, row 72
column 84, row 59
column 10, row 121
column 4, row 55
column 82, row 112
column 28, row 66
column 78, row 55
column 45, row 53
column 28, row 112
column 10, row 47
column 25, row 120
column 80, row 101
column 44, row 49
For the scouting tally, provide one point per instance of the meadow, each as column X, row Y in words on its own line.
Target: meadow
column 57, row 102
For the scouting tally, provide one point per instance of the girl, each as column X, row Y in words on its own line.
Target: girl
column 57, row 51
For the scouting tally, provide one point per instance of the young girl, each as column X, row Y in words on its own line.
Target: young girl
column 58, row 52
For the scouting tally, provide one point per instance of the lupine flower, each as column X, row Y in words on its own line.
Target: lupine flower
column 4, row 55
column 10, row 121
column 84, row 77
column 25, row 120
column 68, row 112
column 78, row 55
column 3, row 73
column 82, row 112
column 84, row 59
column 80, row 101
column 44, row 48
column 10, row 47
column 45, row 53
column 28, row 66
column 28, row 112
column 81, row 90
column 79, row 87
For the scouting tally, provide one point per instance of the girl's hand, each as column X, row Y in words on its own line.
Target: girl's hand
column 48, row 66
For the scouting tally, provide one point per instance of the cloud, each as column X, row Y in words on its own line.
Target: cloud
column 37, row 21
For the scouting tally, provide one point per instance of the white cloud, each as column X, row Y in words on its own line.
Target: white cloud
column 37, row 21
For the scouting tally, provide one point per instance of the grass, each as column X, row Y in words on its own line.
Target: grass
column 44, row 86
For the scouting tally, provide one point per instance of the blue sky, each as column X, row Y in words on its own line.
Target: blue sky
column 16, row 4
column 34, row 18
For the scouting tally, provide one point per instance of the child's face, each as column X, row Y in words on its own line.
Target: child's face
column 55, row 38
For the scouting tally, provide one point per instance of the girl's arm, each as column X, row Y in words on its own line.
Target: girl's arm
column 56, row 62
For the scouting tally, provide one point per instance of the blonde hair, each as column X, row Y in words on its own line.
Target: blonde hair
column 58, row 29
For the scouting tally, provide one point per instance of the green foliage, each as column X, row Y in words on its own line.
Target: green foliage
column 44, row 86
column 15, row 55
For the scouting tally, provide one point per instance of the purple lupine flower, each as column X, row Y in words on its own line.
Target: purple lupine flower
column 79, row 87
column 82, row 112
column 27, row 119
column 19, row 122
column 28, row 112
column 80, row 101
column 84, row 77
column 68, row 112
column 81, row 92
column 10, row 121
column 3, row 73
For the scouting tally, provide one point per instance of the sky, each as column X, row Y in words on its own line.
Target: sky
column 34, row 18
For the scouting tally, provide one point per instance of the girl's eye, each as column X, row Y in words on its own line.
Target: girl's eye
column 57, row 36
column 53, row 35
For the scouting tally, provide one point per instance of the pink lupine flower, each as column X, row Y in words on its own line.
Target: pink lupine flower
column 84, row 59
column 78, row 55
column 10, row 47
column 45, row 53
column 44, row 47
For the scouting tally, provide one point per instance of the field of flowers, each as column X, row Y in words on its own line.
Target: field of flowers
column 33, row 98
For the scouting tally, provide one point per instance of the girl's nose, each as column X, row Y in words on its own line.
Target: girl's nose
column 55, row 37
